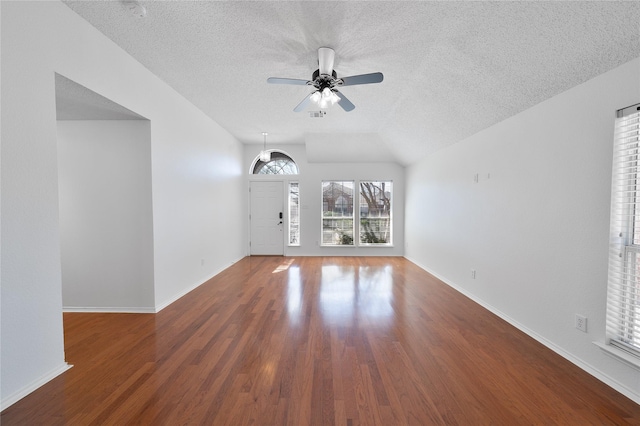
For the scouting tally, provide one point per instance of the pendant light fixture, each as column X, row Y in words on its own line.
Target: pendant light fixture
column 135, row 8
column 265, row 156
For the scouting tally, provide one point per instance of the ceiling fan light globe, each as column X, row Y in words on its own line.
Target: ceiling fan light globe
column 316, row 96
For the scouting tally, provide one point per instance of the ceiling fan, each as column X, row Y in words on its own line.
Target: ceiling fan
column 325, row 81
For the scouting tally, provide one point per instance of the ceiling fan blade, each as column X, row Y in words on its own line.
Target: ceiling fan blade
column 326, row 57
column 375, row 77
column 294, row 81
column 344, row 102
column 302, row 105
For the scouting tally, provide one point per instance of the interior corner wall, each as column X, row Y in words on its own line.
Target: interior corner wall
column 535, row 226
column 310, row 179
column 196, row 178
column 106, row 224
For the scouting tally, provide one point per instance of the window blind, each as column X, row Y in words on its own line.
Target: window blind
column 623, row 297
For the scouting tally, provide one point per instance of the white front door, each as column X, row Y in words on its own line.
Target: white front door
column 267, row 218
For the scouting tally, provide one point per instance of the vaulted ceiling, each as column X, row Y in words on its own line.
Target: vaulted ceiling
column 450, row 68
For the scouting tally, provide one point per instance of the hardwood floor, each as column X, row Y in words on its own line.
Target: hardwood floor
column 315, row 340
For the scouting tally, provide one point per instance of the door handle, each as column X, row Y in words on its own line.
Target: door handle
column 280, row 223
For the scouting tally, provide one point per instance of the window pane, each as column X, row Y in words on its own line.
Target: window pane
column 337, row 213
column 623, row 296
column 375, row 212
column 280, row 164
column 294, row 214
column 628, row 300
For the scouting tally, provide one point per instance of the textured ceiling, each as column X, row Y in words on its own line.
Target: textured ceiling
column 450, row 69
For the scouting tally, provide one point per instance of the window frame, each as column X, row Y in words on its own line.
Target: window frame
column 356, row 214
column 276, row 155
column 389, row 243
column 623, row 288
column 324, row 217
column 291, row 221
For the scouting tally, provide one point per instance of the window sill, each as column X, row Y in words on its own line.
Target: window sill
column 359, row 246
column 619, row 354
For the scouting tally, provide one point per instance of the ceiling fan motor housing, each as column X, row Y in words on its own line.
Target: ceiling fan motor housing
column 320, row 81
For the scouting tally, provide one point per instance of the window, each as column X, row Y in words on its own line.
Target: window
column 280, row 164
column 294, row 214
column 375, row 213
column 623, row 298
column 337, row 213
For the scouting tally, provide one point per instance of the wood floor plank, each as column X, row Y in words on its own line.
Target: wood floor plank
column 315, row 341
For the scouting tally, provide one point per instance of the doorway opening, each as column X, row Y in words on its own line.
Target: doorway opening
column 105, row 207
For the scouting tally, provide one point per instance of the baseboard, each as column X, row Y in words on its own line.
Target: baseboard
column 109, row 309
column 626, row 391
column 17, row 396
column 166, row 303
column 169, row 301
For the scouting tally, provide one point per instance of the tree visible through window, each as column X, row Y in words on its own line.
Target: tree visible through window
column 375, row 212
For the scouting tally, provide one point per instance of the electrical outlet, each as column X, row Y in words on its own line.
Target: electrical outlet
column 581, row 323
column 473, row 274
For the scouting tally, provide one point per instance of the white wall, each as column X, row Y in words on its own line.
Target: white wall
column 535, row 227
column 310, row 181
column 197, row 182
column 106, row 223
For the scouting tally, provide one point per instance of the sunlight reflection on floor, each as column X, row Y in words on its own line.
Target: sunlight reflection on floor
column 283, row 266
column 349, row 294
column 294, row 294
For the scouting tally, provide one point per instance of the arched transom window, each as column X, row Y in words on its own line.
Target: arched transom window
column 280, row 164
